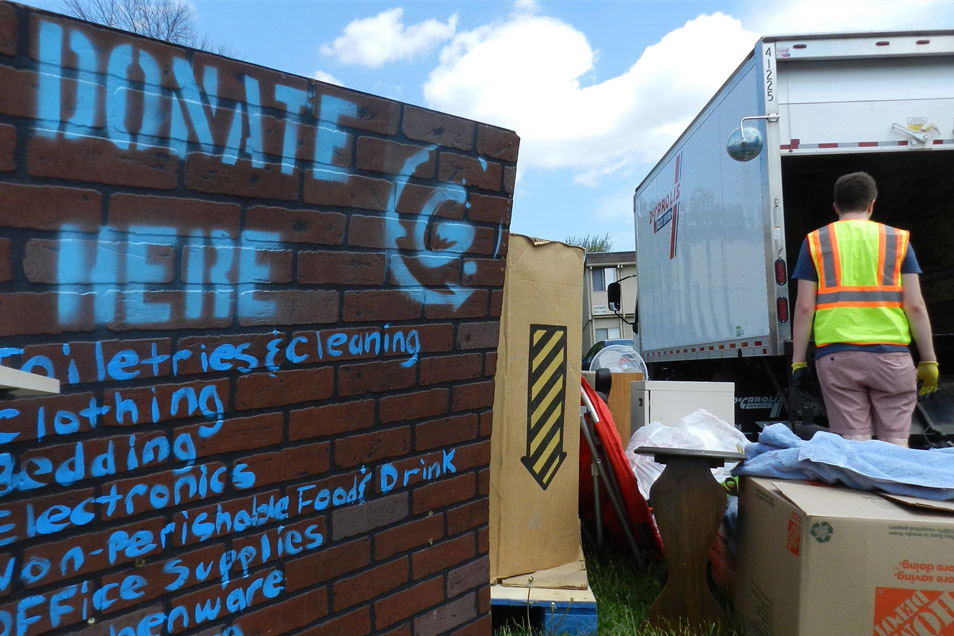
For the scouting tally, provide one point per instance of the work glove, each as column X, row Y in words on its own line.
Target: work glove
column 804, row 383
column 927, row 378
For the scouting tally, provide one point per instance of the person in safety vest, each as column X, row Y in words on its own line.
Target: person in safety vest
column 858, row 286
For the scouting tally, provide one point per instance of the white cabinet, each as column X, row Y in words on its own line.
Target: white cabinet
column 668, row 402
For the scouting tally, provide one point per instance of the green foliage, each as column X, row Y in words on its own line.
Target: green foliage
column 592, row 243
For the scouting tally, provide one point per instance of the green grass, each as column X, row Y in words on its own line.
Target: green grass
column 624, row 594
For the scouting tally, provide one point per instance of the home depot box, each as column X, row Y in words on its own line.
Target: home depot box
column 824, row 560
column 534, row 459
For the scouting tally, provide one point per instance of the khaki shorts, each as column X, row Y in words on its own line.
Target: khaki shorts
column 868, row 393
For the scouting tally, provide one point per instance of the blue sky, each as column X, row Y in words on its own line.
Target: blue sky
column 596, row 89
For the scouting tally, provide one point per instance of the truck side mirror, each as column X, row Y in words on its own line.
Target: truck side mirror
column 612, row 296
column 744, row 143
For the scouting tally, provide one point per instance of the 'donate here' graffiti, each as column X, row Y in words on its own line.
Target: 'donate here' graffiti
column 125, row 95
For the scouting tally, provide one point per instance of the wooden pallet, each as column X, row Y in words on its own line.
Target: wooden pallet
column 550, row 611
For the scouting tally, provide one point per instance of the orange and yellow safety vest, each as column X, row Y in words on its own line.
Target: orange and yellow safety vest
column 859, row 283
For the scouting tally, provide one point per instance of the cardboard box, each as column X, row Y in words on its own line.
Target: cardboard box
column 535, row 444
column 619, row 399
column 818, row 560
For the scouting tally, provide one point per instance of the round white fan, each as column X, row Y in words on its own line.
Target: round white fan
column 619, row 358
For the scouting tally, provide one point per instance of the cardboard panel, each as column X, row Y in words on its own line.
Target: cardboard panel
column 534, row 521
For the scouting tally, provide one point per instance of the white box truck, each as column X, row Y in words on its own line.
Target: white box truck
column 717, row 237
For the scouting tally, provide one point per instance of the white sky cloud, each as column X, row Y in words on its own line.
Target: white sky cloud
column 527, row 74
column 323, row 76
column 384, row 38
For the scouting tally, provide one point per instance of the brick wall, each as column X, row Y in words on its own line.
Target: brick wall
column 273, row 308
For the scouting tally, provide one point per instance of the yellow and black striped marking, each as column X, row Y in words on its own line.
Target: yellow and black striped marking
column 545, row 402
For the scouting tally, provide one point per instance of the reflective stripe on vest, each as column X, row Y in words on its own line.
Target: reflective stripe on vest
column 859, row 297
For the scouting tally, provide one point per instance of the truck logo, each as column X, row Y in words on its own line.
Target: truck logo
column 771, row 403
column 666, row 211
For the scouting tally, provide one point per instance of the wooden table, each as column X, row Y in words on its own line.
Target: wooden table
column 688, row 504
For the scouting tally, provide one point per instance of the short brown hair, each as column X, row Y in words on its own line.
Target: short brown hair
column 854, row 191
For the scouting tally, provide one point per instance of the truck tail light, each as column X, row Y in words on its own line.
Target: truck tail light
column 781, row 276
column 781, row 306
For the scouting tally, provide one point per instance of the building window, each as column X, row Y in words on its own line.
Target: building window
column 603, row 276
column 607, row 334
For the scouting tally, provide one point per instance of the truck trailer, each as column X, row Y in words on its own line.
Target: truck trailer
column 717, row 236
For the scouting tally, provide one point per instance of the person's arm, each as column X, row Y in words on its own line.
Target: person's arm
column 916, row 312
column 804, row 316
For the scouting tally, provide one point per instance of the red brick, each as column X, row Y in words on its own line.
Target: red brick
column 231, row 507
column 175, row 302
column 468, row 397
column 42, row 624
column 438, row 128
column 25, row 425
column 41, row 261
column 372, row 447
column 20, row 88
column 142, row 396
column 475, row 455
column 412, row 406
column 370, row 583
column 238, row 434
column 258, row 349
column 483, row 483
column 177, row 497
column 289, row 463
column 382, row 305
column 478, row 335
column 232, row 85
column 8, row 30
column 490, row 364
column 327, row 563
column 115, row 625
column 468, row 516
column 286, row 615
column 489, row 209
column 475, row 574
column 439, row 306
column 391, row 157
column 403, row 630
column 342, row 268
column 261, row 390
column 99, row 161
column 6, row 265
column 483, row 602
column 355, row 192
column 446, row 432
column 415, row 198
column 356, row 623
column 441, row 556
column 496, row 303
column 367, row 231
column 8, row 147
column 481, row 627
column 451, row 368
column 486, row 423
column 484, row 272
column 408, row 535
column 436, row 338
column 469, row 171
column 271, row 265
column 37, row 313
column 371, row 377
column 332, row 419
column 185, row 216
column 497, row 142
column 291, row 307
column 509, row 179
column 446, row 617
column 206, row 173
column 89, row 543
column 426, row 270
column 445, row 492
column 397, row 607
column 216, row 592
column 49, row 207
column 298, row 226
column 17, row 518
column 373, row 114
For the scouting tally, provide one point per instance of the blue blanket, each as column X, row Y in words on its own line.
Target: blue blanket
column 869, row 465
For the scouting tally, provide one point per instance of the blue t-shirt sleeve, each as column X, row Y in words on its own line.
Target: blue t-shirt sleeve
column 804, row 267
column 910, row 263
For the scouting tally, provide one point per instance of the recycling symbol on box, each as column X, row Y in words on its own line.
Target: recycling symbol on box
column 822, row 532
